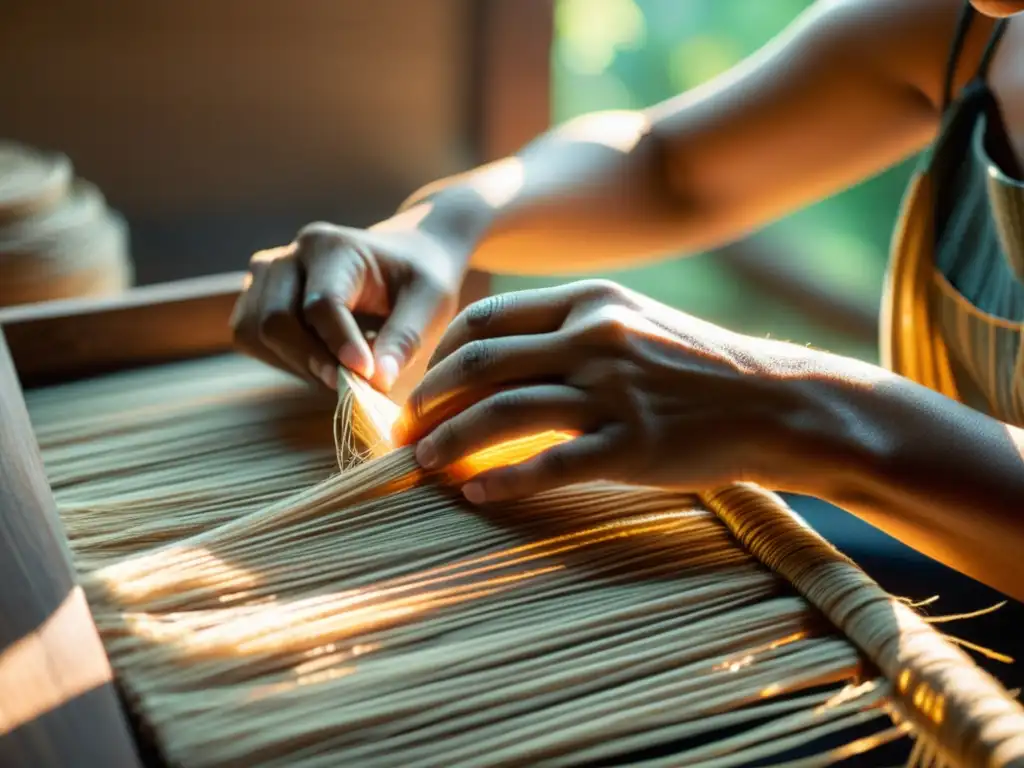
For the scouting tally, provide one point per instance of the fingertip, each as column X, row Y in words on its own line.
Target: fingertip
column 399, row 432
column 329, row 376
column 426, row 454
column 324, row 372
column 475, row 492
column 356, row 360
column 387, row 370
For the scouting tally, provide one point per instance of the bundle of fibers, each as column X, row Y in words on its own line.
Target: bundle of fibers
column 258, row 615
column 58, row 237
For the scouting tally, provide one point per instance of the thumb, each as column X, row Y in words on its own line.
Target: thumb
column 401, row 337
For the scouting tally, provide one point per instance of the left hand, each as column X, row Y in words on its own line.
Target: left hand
column 656, row 397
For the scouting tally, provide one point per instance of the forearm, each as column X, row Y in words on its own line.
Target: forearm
column 589, row 195
column 613, row 189
column 941, row 477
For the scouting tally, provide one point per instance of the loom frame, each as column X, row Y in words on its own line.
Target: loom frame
column 51, row 343
column 67, row 340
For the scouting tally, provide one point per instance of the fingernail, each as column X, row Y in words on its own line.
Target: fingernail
column 350, row 357
column 398, row 430
column 388, row 367
column 426, row 455
column 329, row 376
column 474, row 493
column 327, row 373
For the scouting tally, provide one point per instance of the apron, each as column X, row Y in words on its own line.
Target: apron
column 932, row 333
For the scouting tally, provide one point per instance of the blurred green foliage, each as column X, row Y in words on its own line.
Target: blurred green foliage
column 633, row 53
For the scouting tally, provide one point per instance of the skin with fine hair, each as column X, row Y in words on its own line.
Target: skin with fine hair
column 852, row 87
column 661, row 398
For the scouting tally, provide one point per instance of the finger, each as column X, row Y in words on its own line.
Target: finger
column 505, row 416
column 401, row 337
column 478, row 369
column 245, row 314
column 521, row 313
column 335, row 277
column 245, row 317
column 281, row 331
column 587, row 458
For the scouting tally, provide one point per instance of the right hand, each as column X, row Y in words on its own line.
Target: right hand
column 297, row 309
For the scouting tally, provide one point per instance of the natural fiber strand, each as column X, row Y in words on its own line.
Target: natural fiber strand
column 262, row 609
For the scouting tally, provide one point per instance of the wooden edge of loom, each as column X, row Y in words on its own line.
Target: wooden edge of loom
column 60, row 340
column 58, row 703
column 57, row 341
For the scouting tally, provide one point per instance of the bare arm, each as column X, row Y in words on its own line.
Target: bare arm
column 935, row 474
column 852, row 87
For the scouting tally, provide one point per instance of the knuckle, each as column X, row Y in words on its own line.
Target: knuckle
column 602, row 330
column 315, row 238
column 406, row 342
column 445, row 440
column 275, row 324
column 480, row 314
column 600, row 289
column 504, row 406
column 261, row 259
column 321, row 307
column 317, row 231
column 553, row 463
column 606, row 375
column 474, row 358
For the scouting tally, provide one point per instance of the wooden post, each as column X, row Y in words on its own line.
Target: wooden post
column 58, row 705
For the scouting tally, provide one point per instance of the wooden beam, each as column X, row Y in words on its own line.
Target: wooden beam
column 58, row 704
column 61, row 340
column 56, row 340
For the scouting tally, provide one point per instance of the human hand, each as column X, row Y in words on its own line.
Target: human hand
column 654, row 396
column 298, row 312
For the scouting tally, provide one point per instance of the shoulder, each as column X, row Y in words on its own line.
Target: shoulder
column 906, row 42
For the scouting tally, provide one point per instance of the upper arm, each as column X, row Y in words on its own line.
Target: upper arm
column 852, row 87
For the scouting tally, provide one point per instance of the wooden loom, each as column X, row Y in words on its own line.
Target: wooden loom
column 58, row 701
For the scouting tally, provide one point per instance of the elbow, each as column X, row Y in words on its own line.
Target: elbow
column 618, row 130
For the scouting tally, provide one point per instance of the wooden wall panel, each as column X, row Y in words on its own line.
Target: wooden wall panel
column 221, row 126
column 199, row 104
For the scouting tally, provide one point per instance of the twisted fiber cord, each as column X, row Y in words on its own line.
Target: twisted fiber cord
column 258, row 616
column 966, row 716
column 30, row 181
column 57, row 237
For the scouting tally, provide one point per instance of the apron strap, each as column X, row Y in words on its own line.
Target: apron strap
column 967, row 16
column 963, row 26
column 990, row 49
